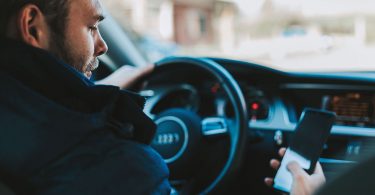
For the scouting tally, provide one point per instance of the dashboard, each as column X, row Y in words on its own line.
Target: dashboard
column 354, row 105
column 350, row 95
column 274, row 99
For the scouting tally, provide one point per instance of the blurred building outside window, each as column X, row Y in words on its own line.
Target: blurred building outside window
column 293, row 35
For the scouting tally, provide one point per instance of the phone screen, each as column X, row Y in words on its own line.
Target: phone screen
column 310, row 135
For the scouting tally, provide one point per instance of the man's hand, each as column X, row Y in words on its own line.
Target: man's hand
column 126, row 76
column 303, row 183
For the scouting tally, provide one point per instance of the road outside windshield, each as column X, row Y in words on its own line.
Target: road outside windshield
column 292, row 35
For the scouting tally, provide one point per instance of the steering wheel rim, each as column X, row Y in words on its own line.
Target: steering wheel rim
column 237, row 135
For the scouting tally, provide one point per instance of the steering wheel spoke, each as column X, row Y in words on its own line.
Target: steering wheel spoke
column 214, row 126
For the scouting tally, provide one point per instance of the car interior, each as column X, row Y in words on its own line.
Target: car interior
column 221, row 119
column 237, row 114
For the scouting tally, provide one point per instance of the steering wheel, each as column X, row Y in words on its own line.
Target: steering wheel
column 180, row 131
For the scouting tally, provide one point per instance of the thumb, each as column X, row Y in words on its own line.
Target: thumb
column 148, row 68
column 318, row 169
column 296, row 170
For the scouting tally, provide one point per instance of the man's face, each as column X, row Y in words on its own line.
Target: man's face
column 82, row 43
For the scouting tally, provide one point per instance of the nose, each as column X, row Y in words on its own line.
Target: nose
column 100, row 46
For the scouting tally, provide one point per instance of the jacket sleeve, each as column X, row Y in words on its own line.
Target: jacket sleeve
column 125, row 168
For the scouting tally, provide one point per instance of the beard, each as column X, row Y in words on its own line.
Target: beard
column 91, row 66
column 61, row 48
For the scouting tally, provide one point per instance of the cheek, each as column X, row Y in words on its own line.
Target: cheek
column 81, row 46
column 84, row 45
column 89, row 44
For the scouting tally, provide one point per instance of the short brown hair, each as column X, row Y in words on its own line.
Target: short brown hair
column 56, row 12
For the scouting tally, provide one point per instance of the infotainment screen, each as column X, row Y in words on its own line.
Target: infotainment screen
column 353, row 109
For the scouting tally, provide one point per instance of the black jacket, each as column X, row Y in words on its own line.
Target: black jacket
column 61, row 134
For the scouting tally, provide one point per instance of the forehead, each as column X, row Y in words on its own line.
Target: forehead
column 85, row 9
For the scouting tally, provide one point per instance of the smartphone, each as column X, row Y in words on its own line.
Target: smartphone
column 308, row 140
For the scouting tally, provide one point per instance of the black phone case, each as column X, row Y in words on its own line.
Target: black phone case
column 311, row 134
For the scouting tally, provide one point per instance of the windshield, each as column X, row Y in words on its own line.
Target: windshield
column 291, row 35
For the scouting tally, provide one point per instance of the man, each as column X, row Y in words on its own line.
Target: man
column 60, row 133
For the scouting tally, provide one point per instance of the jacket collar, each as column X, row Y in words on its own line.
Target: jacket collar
column 59, row 82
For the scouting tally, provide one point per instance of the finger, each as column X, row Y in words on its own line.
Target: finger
column 268, row 181
column 318, row 169
column 275, row 164
column 151, row 67
column 126, row 68
column 282, row 152
column 147, row 69
column 135, row 71
column 295, row 169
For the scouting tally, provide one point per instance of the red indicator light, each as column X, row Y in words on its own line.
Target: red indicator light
column 255, row 106
column 215, row 88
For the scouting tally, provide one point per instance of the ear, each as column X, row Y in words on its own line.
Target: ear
column 32, row 26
